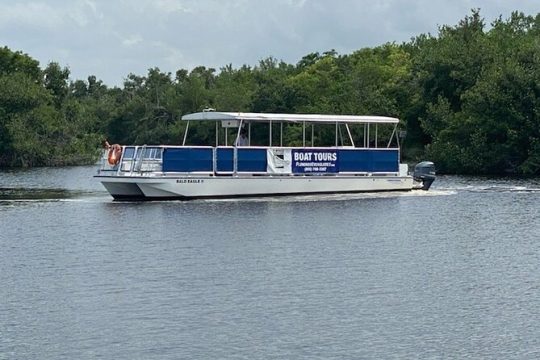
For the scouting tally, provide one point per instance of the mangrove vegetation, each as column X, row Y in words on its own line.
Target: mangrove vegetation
column 468, row 98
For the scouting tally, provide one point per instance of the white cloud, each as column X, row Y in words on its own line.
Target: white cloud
column 159, row 7
column 297, row 3
column 110, row 39
column 35, row 14
column 171, row 6
column 132, row 40
column 32, row 14
column 172, row 55
column 83, row 12
column 93, row 6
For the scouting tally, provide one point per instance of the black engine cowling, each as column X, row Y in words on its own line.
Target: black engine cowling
column 424, row 173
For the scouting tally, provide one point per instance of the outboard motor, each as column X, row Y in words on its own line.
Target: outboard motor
column 424, row 173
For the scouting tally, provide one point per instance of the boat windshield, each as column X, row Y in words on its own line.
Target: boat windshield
column 129, row 151
column 152, row 153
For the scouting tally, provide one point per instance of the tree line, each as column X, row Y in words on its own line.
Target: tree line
column 468, row 98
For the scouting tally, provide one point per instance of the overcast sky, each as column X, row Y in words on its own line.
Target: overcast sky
column 112, row 38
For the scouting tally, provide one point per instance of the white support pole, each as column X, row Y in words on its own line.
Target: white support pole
column 185, row 134
column 341, row 135
column 368, row 136
column 365, row 136
column 217, row 134
column 238, row 133
column 303, row 133
column 391, row 136
column 270, row 133
column 349, row 132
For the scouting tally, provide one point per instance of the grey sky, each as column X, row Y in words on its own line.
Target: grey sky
column 112, row 38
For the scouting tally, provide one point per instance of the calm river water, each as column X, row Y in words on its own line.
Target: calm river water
column 451, row 273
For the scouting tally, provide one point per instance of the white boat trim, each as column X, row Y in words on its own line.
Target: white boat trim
column 294, row 118
column 193, row 187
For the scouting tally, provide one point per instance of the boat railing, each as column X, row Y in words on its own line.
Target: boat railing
column 255, row 160
column 228, row 160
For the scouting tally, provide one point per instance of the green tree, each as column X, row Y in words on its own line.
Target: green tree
column 56, row 80
column 234, row 89
column 17, row 62
column 488, row 122
column 26, row 118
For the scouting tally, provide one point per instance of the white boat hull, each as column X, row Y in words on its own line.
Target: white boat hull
column 189, row 187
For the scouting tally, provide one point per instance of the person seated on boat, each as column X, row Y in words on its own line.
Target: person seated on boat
column 242, row 140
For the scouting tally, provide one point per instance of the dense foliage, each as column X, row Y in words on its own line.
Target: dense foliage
column 469, row 98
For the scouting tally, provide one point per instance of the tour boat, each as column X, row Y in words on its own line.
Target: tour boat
column 300, row 154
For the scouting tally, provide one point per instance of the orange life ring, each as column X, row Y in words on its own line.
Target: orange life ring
column 115, row 152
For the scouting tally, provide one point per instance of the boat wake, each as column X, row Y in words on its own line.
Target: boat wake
column 487, row 185
column 335, row 197
column 518, row 189
column 46, row 194
column 19, row 195
column 493, row 189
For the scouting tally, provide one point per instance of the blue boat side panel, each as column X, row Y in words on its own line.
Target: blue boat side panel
column 252, row 160
column 385, row 160
column 255, row 160
column 187, row 159
column 354, row 161
column 224, row 160
column 364, row 160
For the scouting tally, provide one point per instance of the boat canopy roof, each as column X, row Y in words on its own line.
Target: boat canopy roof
column 266, row 117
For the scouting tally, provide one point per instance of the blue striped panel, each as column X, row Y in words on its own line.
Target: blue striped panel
column 252, row 160
column 187, row 159
column 224, row 161
column 363, row 160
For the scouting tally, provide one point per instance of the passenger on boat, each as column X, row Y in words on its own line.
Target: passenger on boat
column 242, row 139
